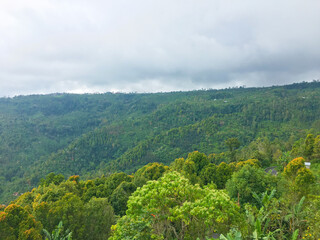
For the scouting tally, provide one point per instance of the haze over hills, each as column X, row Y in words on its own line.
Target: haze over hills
column 95, row 134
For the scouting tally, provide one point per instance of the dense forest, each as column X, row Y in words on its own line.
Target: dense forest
column 207, row 164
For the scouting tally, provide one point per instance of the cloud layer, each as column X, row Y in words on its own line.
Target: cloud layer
column 149, row 46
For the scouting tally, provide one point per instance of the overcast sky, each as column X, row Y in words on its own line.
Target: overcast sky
column 81, row 46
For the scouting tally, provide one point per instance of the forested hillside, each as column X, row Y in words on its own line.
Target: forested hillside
column 95, row 134
column 193, row 198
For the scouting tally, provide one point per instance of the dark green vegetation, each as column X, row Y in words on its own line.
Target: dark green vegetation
column 92, row 135
column 238, row 133
column 192, row 198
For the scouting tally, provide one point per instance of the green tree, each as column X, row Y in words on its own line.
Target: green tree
column 188, row 168
column 209, row 174
column 247, row 181
column 299, row 179
column 308, row 146
column 224, row 173
column 120, row 196
column 17, row 223
column 51, row 178
column 113, row 181
column 172, row 208
column 316, row 149
column 190, row 171
column 251, row 162
column 98, row 218
column 69, row 209
column 177, row 165
column 233, row 144
column 283, row 160
column 151, row 171
column 200, row 160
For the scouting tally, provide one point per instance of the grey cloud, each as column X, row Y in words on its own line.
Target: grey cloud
column 79, row 46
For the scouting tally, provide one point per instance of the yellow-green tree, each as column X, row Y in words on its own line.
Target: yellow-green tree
column 173, row 208
column 151, row 171
column 291, row 170
column 299, row 179
column 251, row 162
column 17, row 223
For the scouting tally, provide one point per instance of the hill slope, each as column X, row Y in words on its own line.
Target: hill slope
column 95, row 134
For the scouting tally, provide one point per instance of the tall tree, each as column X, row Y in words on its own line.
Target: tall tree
column 172, row 208
column 233, row 144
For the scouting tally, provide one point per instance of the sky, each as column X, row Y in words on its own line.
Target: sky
column 78, row 46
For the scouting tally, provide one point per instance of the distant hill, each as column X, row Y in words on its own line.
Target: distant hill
column 94, row 134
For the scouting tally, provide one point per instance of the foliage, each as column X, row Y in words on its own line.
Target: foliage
column 55, row 235
column 224, row 173
column 173, row 205
column 312, row 219
column 87, row 216
column 300, row 178
column 120, row 196
column 233, row 144
column 173, row 208
column 95, row 134
column 17, row 223
column 200, row 161
column 304, row 178
column 98, row 218
column 151, row 171
column 251, row 162
column 209, row 174
column 232, row 235
column 295, row 217
column 283, row 160
column 105, row 137
column 259, row 221
column 309, row 144
column 52, row 178
column 291, row 170
column 249, row 181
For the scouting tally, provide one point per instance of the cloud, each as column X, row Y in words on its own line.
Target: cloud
column 147, row 46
